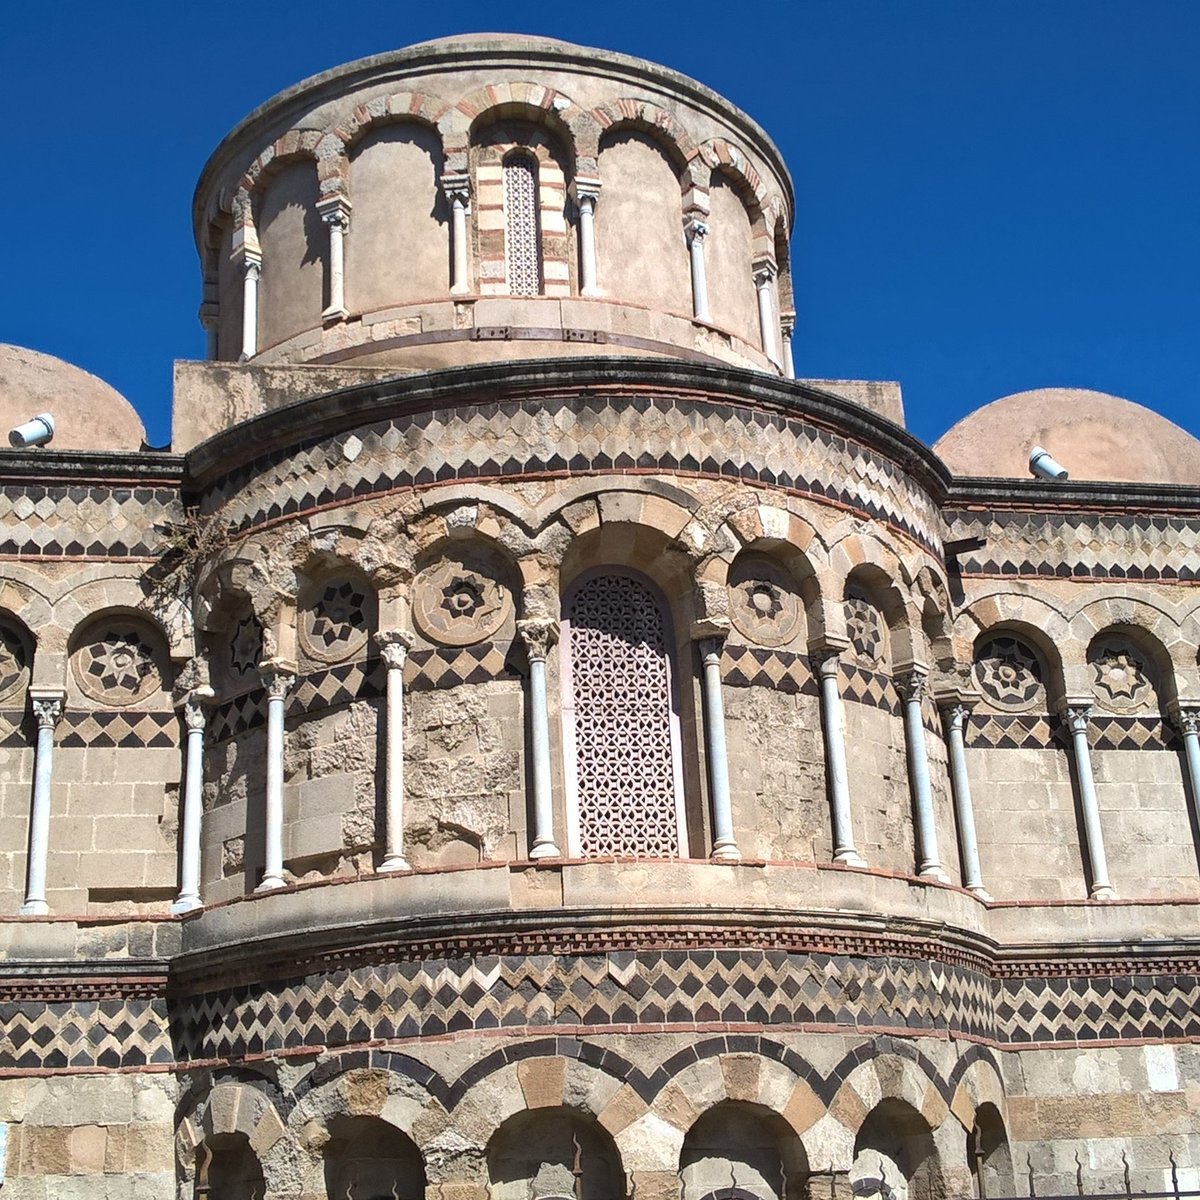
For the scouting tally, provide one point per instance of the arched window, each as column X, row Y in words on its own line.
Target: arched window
column 522, row 226
column 620, row 719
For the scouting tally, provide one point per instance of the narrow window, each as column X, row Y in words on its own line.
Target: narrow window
column 620, row 721
column 522, row 228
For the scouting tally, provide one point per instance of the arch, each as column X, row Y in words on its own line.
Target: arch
column 724, row 157
column 741, row 1149
column 119, row 656
column 422, row 108
column 550, row 1152
column 297, row 145
column 895, row 1154
column 1035, row 621
column 1156, row 629
column 628, row 112
column 370, row 1158
column 988, row 1153
column 228, row 1168
column 618, row 663
column 1124, row 659
column 337, row 609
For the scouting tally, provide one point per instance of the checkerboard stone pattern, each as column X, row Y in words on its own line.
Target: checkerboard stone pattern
column 92, row 521
column 402, row 998
column 563, row 434
column 1079, row 545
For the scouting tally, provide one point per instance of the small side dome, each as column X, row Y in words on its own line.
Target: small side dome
column 1097, row 437
column 88, row 413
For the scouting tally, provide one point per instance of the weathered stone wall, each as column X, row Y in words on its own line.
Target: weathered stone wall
column 882, row 808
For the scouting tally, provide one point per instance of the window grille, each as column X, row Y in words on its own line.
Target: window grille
column 522, row 229
column 623, row 721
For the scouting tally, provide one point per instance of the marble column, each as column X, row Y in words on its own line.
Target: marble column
column 587, row 193
column 539, row 634
column 1187, row 721
column 194, row 718
column 955, row 715
column 458, row 192
column 696, row 230
column 394, row 645
column 210, row 323
column 251, row 270
column 335, row 212
column 1077, row 717
column 787, row 329
column 279, row 680
column 725, row 847
column 764, row 275
column 911, row 685
column 825, row 664
column 47, row 712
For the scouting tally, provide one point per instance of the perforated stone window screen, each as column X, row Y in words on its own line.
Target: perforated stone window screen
column 620, row 723
column 522, row 230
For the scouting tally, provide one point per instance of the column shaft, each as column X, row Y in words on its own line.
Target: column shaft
column 278, row 686
column 766, row 316
column 458, row 191
column 252, row 268
column 787, row 332
column 394, row 647
column 833, row 726
column 193, row 804
column 956, row 716
column 46, row 710
column 696, row 231
column 725, row 845
column 586, row 194
column 1077, row 722
column 912, row 690
column 539, row 634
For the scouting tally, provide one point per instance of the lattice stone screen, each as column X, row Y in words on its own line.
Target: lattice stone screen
column 623, row 724
column 522, row 240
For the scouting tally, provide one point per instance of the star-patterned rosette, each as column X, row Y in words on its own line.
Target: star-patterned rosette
column 119, row 664
column 337, row 618
column 1009, row 674
column 458, row 603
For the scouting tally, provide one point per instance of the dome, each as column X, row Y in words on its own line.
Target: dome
column 88, row 413
column 1094, row 435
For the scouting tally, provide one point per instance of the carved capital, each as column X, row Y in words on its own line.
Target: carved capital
column 956, row 714
column 825, row 660
column 710, row 649
column 194, row 716
column 1186, row 718
column 394, row 645
column 585, row 191
column 911, row 685
column 539, row 634
column 764, row 272
column 335, row 211
column 695, row 229
column 47, row 708
column 1077, row 716
column 252, row 265
column 457, row 189
column 278, row 677
column 787, row 323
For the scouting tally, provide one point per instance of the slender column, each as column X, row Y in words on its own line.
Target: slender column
column 696, row 230
column 725, row 847
column 587, row 192
column 825, row 664
column 764, row 273
column 539, row 634
column 335, row 212
column 787, row 328
column 911, row 686
column 1187, row 721
column 458, row 192
column 954, row 716
column 279, row 680
column 394, row 645
column 251, row 270
column 1077, row 718
column 47, row 711
column 193, row 802
column 209, row 322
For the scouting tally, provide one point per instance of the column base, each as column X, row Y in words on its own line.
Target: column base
column 393, row 862
column 186, row 904
column 726, row 852
column 271, row 883
column 545, row 850
column 34, row 908
column 980, row 891
column 1103, row 893
column 330, row 315
column 850, row 858
column 934, row 872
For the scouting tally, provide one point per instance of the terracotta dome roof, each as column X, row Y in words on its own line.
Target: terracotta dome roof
column 88, row 413
column 1094, row 435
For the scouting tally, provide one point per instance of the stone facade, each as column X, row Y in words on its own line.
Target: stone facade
column 519, row 742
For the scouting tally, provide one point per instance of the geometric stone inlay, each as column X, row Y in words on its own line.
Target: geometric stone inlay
column 763, row 604
column 1121, row 675
column 116, row 665
column 14, row 662
column 1009, row 673
column 458, row 603
column 864, row 627
column 246, row 649
column 337, row 621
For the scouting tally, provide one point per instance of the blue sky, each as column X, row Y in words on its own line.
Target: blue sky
column 991, row 196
